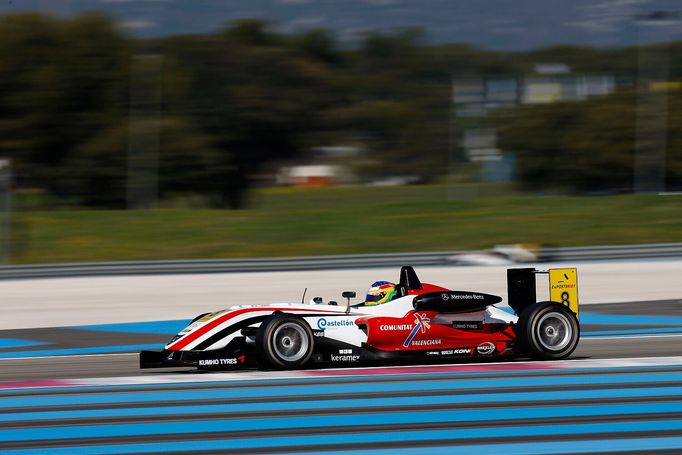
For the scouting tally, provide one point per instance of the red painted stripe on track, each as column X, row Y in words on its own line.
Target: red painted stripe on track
column 435, row 369
column 190, row 337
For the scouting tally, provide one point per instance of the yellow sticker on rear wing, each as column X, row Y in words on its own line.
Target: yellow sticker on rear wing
column 563, row 287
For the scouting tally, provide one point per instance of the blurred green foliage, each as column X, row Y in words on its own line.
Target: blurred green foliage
column 589, row 146
column 236, row 102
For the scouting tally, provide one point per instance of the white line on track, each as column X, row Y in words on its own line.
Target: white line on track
column 72, row 356
column 254, row 375
column 629, row 337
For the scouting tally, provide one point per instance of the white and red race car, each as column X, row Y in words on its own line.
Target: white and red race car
column 423, row 323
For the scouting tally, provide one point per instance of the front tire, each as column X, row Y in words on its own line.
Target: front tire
column 548, row 331
column 284, row 342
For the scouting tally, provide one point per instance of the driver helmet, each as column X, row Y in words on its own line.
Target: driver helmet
column 380, row 292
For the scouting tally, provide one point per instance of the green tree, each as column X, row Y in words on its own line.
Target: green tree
column 99, row 170
column 395, row 107
column 255, row 97
column 575, row 146
column 61, row 82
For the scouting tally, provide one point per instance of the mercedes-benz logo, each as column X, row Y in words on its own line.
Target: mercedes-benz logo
column 445, row 296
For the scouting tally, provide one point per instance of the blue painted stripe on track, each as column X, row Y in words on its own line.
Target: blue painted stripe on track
column 641, row 331
column 302, row 390
column 282, row 382
column 77, row 351
column 636, row 445
column 587, row 317
column 326, row 421
column 9, row 343
column 345, row 404
column 169, row 328
column 404, row 436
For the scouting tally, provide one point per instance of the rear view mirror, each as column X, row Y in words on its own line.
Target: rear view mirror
column 348, row 295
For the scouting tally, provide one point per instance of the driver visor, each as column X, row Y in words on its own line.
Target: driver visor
column 375, row 297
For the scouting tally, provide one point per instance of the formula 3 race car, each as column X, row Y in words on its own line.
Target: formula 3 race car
column 417, row 323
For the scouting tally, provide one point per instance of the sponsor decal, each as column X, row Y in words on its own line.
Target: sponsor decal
column 345, row 351
column 421, row 322
column 395, row 327
column 464, row 297
column 345, row 358
column 563, row 286
column 445, row 296
column 216, row 362
column 323, row 323
column 425, row 342
column 486, row 348
column 318, row 333
column 465, row 325
column 433, row 353
column 459, row 351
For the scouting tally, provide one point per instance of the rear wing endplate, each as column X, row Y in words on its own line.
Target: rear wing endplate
column 563, row 287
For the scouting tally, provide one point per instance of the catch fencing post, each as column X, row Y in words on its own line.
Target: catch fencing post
column 5, row 211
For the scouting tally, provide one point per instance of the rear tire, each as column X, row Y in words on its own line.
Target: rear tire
column 284, row 342
column 548, row 331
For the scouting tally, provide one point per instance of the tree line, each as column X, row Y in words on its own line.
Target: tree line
column 234, row 103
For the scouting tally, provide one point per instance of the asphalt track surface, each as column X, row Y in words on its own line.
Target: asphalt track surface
column 621, row 392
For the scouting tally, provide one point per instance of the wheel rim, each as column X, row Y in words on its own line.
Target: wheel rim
column 290, row 342
column 554, row 331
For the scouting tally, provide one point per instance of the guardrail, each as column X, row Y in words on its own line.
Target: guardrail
column 590, row 253
column 221, row 265
column 668, row 250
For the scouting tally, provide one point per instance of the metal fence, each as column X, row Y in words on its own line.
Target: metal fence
column 551, row 254
column 615, row 252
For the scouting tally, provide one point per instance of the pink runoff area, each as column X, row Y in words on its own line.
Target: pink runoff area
column 525, row 366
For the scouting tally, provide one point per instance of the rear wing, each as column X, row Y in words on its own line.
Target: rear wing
column 522, row 291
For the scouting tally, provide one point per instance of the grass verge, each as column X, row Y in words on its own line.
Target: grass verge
column 344, row 220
